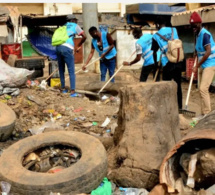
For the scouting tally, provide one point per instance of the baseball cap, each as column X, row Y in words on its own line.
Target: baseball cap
column 71, row 17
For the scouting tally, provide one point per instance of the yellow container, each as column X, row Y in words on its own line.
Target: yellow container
column 55, row 82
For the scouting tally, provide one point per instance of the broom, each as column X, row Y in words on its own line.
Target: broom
column 185, row 110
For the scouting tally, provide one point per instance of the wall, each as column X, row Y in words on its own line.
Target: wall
column 103, row 8
column 27, row 8
column 57, row 8
column 125, row 45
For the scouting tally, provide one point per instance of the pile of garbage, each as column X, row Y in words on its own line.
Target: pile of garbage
column 51, row 159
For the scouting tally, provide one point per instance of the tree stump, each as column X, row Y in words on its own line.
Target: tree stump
column 148, row 126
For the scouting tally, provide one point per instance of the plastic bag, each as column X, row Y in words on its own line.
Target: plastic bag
column 5, row 188
column 39, row 129
column 11, row 76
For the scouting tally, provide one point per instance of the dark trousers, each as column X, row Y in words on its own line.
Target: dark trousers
column 109, row 65
column 173, row 71
column 146, row 70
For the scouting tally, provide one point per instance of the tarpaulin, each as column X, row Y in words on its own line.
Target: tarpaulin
column 40, row 39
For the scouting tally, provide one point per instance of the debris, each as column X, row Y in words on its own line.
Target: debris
column 192, row 169
column 51, row 159
column 7, row 97
column 104, row 97
column 39, row 129
column 88, row 124
column 78, row 110
column 103, row 189
column 11, row 76
column 113, row 127
column 131, row 191
column 95, row 123
column 30, row 157
column 35, row 99
column 56, row 169
column 106, row 122
column 211, row 189
column 5, row 188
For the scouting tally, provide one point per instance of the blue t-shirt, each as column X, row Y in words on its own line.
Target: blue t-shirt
column 206, row 39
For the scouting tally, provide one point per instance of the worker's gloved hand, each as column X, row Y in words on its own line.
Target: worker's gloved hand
column 84, row 67
column 126, row 63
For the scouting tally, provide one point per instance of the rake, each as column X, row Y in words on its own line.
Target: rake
column 185, row 111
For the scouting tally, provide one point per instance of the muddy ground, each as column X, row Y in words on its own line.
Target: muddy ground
column 34, row 107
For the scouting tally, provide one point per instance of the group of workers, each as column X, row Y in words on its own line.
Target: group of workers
column 152, row 48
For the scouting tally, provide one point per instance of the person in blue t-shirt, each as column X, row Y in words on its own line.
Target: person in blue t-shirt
column 170, row 70
column 143, row 49
column 65, row 53
column 205, row 48
column 103, row 43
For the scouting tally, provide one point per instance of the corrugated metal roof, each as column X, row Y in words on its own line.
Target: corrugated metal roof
column 153, row 8
column 207, row 14
column 207, row 8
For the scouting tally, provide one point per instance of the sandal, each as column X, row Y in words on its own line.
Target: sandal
column 75, row 95
column 65, row 91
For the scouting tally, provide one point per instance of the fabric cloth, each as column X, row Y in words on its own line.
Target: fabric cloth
column 65, row 55
column 206, row 39
column 105, row 45
column 173, row 71
column 146, row 70
column 195, row 18
column 163, row 45
column 72, row 30
column 201, row 49
column 145, row 41
column 206, row 80
column 109, row 65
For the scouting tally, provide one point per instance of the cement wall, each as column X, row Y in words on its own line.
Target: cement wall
column 125, row 45
column 27, row 8
column 57, row 8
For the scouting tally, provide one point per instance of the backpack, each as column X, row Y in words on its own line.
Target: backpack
column 175, row 52
column 60, row 36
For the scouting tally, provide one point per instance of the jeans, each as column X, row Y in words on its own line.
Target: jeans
column 206, row 80
column 65, row 55
column 173, row 71
column 109, row 65
column 146, row 70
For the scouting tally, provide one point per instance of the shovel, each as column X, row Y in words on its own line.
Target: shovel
column 43, row 84
column 114, row 75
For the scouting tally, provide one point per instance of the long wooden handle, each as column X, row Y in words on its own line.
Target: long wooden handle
column 114, row 75
column 159, row 64
column 88, row 65
column 190, row 85
column 81, row 69
column 51, row 74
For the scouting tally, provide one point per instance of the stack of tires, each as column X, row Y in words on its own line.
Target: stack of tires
column 36, row 63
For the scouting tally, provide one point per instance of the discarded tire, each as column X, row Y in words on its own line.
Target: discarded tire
column 201, row 138
column 82, row 177
column 7, row 121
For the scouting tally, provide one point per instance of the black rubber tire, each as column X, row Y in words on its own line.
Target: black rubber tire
column 82, row 177
column 7, row 121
